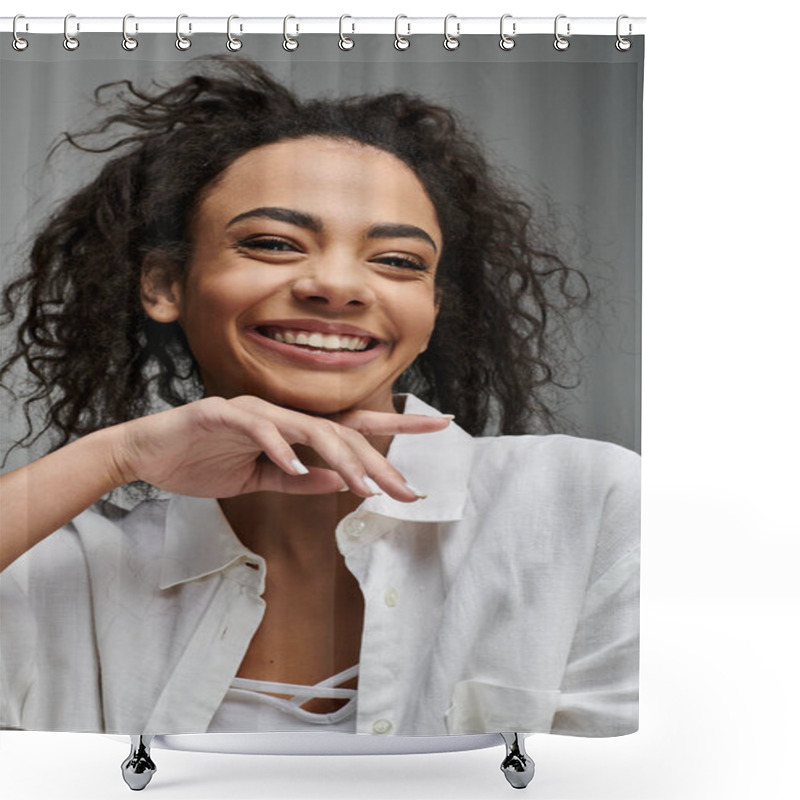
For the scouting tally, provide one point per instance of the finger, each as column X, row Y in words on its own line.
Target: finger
column 389, row 479
column 344, row 448
column 366, row 422
column 375, row 423
column 331, row 442
column 271, row 478
column 266, row 435
column 320, row 434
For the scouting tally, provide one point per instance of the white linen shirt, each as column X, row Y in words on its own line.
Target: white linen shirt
column 507, row 600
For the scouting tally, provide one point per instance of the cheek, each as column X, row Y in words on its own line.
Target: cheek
column 214, row 300
column 421, row 320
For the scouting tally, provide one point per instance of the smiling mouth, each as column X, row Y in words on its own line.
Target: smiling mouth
column 319, row 342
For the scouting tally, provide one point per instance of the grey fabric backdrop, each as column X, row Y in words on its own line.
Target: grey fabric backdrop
column 566, row 123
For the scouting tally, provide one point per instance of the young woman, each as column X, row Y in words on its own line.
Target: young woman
column 303, row 285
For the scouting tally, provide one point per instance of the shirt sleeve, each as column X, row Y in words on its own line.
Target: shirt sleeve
column 600, row 687
column 17, row 649
column 49, row 673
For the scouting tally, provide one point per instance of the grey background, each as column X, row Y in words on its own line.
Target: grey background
column 564, row 123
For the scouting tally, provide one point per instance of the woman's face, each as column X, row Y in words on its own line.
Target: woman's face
column 312, row 279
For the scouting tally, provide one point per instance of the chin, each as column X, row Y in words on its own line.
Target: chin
column 318, row 401
column 319, row 407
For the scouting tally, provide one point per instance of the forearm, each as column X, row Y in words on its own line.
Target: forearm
column 39, row 498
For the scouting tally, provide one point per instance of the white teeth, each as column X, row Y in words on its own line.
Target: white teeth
column 321, row 341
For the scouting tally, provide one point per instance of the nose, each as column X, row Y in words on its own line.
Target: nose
column 336, row 282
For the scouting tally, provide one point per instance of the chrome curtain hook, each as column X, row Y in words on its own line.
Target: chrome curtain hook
column 451, row 42
column 344, row 42
column 622, row 44
column 233, row 44
column 289, row 42
column 507, row 42
column 561, row 43
column 129, row 42
column 19, row 44
column 181, row 42
column 70, row 42
column 400, row 42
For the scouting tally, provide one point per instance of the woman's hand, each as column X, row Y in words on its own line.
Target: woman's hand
column 217, row 448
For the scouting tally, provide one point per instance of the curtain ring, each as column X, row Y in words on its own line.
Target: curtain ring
column 622, row 44
column 344, row 42
column 181, row 42
column 451, row 42
column 70, row 42
column 400, row 42
column 233, row 44
column 507, row 42
column 128, row 42
column 289, row 42
column 19, row 44
column 561, row 43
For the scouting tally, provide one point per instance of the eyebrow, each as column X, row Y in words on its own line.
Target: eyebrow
column 386, row 230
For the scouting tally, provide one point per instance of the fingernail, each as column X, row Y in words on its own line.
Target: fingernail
column 344, row 489
column 371, row 485
column 299, row 467
column 449, row 416
column 416, row 491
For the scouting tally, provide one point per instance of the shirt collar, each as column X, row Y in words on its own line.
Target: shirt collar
column 437, row 464
column 199, row 540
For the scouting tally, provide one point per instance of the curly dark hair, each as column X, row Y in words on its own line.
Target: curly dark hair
column 94, row 358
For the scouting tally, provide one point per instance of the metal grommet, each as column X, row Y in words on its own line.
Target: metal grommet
column 181, row 42
column 561, row 43
column 129, row 42
column 70, row 42
column 290, row 43
column 344, row 42
column 507, row 42
column 400, row 42
column 233, row 44
column 622, row 44
column 19, row 44
column 451, row 42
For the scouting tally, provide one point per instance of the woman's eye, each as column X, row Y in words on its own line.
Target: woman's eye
column 277, row 245
column 399, row 261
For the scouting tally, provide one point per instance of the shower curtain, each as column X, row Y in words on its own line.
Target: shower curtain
column 463, row 238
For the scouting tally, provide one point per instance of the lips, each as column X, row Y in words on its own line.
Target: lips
column 317, row 340
column 317, row 343
column 317, row 326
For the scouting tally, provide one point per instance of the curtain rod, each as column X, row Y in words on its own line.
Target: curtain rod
column 298, row 25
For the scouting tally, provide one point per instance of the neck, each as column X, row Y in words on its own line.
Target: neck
column 292, row 529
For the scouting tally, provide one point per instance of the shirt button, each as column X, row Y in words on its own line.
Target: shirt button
column 381, row 726
column 353, row 527
column 390, row 597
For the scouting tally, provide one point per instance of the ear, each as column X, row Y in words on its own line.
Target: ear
column 160, row 289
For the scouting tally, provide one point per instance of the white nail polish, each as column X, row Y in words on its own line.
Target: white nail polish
column 416, row 491
column 299, row 468
column 371, row 485
column 449, row 416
